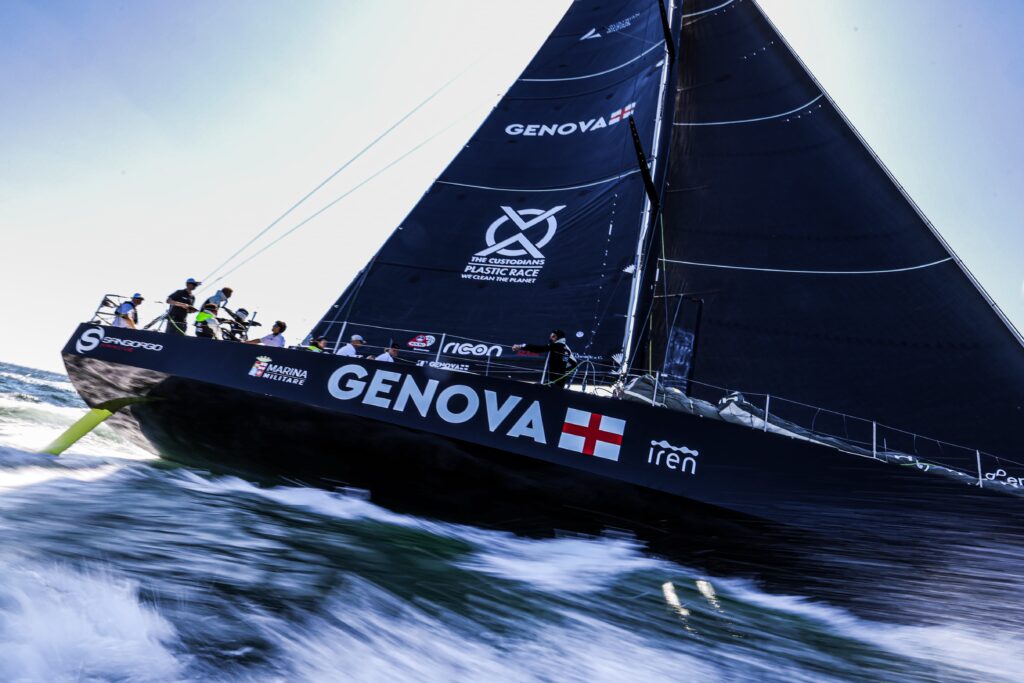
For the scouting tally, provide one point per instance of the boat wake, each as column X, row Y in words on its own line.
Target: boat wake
column 59, row 624
column 118, row 569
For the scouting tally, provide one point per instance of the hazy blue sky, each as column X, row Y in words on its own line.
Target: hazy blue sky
column 142, row 142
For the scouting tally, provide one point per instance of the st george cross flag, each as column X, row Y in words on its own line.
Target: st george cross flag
column 622, row 114
column 592, row 434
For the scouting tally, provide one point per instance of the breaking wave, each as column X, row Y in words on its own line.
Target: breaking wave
column 116, row 569
column 57, row 624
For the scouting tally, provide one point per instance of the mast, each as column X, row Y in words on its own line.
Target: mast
column 634, row 292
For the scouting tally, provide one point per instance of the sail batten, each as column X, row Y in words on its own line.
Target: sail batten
column 794, row 271
column 753, row 120
column 581, row 186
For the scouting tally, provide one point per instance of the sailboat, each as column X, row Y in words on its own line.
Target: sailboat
column 763, row 322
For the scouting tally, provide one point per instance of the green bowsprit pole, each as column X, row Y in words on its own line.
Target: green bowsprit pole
column 89, row 422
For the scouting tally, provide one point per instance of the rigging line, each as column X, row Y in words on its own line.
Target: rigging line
column 811, row 272
column 760, row 118
column 599, row 73
column 324, row 208
column 542, row 189
column 331, row 177
column 709, row 9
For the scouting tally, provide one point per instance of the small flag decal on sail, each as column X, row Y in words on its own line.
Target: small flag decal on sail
column 592, row 434
column 622, row 114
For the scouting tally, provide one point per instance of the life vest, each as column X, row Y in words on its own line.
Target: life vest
column 134, row 313
column 568, row 357
column 314, row 348
column 123, row 317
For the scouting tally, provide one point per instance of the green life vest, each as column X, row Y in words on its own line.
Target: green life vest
column 314, row 347
column 204, row 316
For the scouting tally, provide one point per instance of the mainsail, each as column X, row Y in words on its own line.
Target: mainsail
column 535, row 224
column 792, row 264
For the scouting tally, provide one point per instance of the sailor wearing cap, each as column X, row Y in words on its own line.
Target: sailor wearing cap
column 182, row 302
column 355, row 341
column 127, row 315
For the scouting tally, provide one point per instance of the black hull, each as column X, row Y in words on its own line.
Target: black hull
column 194, row 423
column 208, row 410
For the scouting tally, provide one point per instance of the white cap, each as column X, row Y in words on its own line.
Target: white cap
column 356, row 337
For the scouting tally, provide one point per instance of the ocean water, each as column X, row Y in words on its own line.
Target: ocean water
column 118, row 566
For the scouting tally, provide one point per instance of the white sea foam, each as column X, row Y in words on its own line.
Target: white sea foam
column 14, row 408
column 342, row 505
column 576, row 565
column 63, row 385
column 13, row 478
column 375, row 636
column 560, row 565
column 61, row 625
column 31, row 426
column 990, row 657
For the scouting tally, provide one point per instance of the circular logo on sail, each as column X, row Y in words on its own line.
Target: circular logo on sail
column 522, row 241
column 514, row 241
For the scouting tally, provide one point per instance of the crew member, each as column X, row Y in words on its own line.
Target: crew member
column 318, row 345
column 389, row 355
column 220, row 298
column 560, row 362
column 207, row 322
column 355, row 341
column 182, row 302
column 127, row 314
column 275, row 338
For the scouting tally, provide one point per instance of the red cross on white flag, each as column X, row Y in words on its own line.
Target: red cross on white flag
column 592, row 434
column 620, row 114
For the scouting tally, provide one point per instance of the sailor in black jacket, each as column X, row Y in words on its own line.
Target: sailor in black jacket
column 560, row 362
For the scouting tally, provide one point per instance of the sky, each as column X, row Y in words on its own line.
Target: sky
column 144, row 142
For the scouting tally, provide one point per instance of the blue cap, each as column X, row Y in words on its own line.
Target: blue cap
column 192, row 281
column 136, row 295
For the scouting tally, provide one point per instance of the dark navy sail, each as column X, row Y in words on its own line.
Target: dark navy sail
column 794, row 265
column 535, row 224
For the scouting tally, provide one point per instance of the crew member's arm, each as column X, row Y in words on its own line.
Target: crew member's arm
column 532, row 348
column 126, row 316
